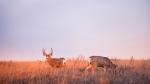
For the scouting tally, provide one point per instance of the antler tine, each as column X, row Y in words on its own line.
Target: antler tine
column 43, row 49
column 51, row 51
column 44, row 53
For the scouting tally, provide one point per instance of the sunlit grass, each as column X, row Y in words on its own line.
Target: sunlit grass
column 135, row 72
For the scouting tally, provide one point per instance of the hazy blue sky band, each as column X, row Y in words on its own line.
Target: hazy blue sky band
column 114, row 28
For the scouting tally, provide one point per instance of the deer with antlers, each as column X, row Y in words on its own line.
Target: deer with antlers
column 54, row 62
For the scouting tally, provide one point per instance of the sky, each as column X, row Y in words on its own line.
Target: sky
column 112, row 28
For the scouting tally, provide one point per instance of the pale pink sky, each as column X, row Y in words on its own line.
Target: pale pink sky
column 113, row 28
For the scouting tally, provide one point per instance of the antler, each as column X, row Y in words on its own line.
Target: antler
column 47, row 54
column 44, row 53
column 51, row 52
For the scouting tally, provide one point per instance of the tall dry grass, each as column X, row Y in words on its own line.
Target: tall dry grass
column 128, row 72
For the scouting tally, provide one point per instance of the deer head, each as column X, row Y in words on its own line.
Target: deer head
column 48, row 55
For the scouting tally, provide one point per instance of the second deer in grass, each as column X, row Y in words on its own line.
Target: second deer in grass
column 100, row 61
column 54, row 62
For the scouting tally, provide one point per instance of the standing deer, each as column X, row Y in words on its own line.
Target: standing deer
column 100, row 61
column 54, row 62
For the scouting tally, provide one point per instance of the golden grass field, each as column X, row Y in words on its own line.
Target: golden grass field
column 37, row 72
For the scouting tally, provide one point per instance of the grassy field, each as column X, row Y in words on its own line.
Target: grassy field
column 127, row 72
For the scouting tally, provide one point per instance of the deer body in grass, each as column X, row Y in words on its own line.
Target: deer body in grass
column 100, row 61
column 54, row 62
